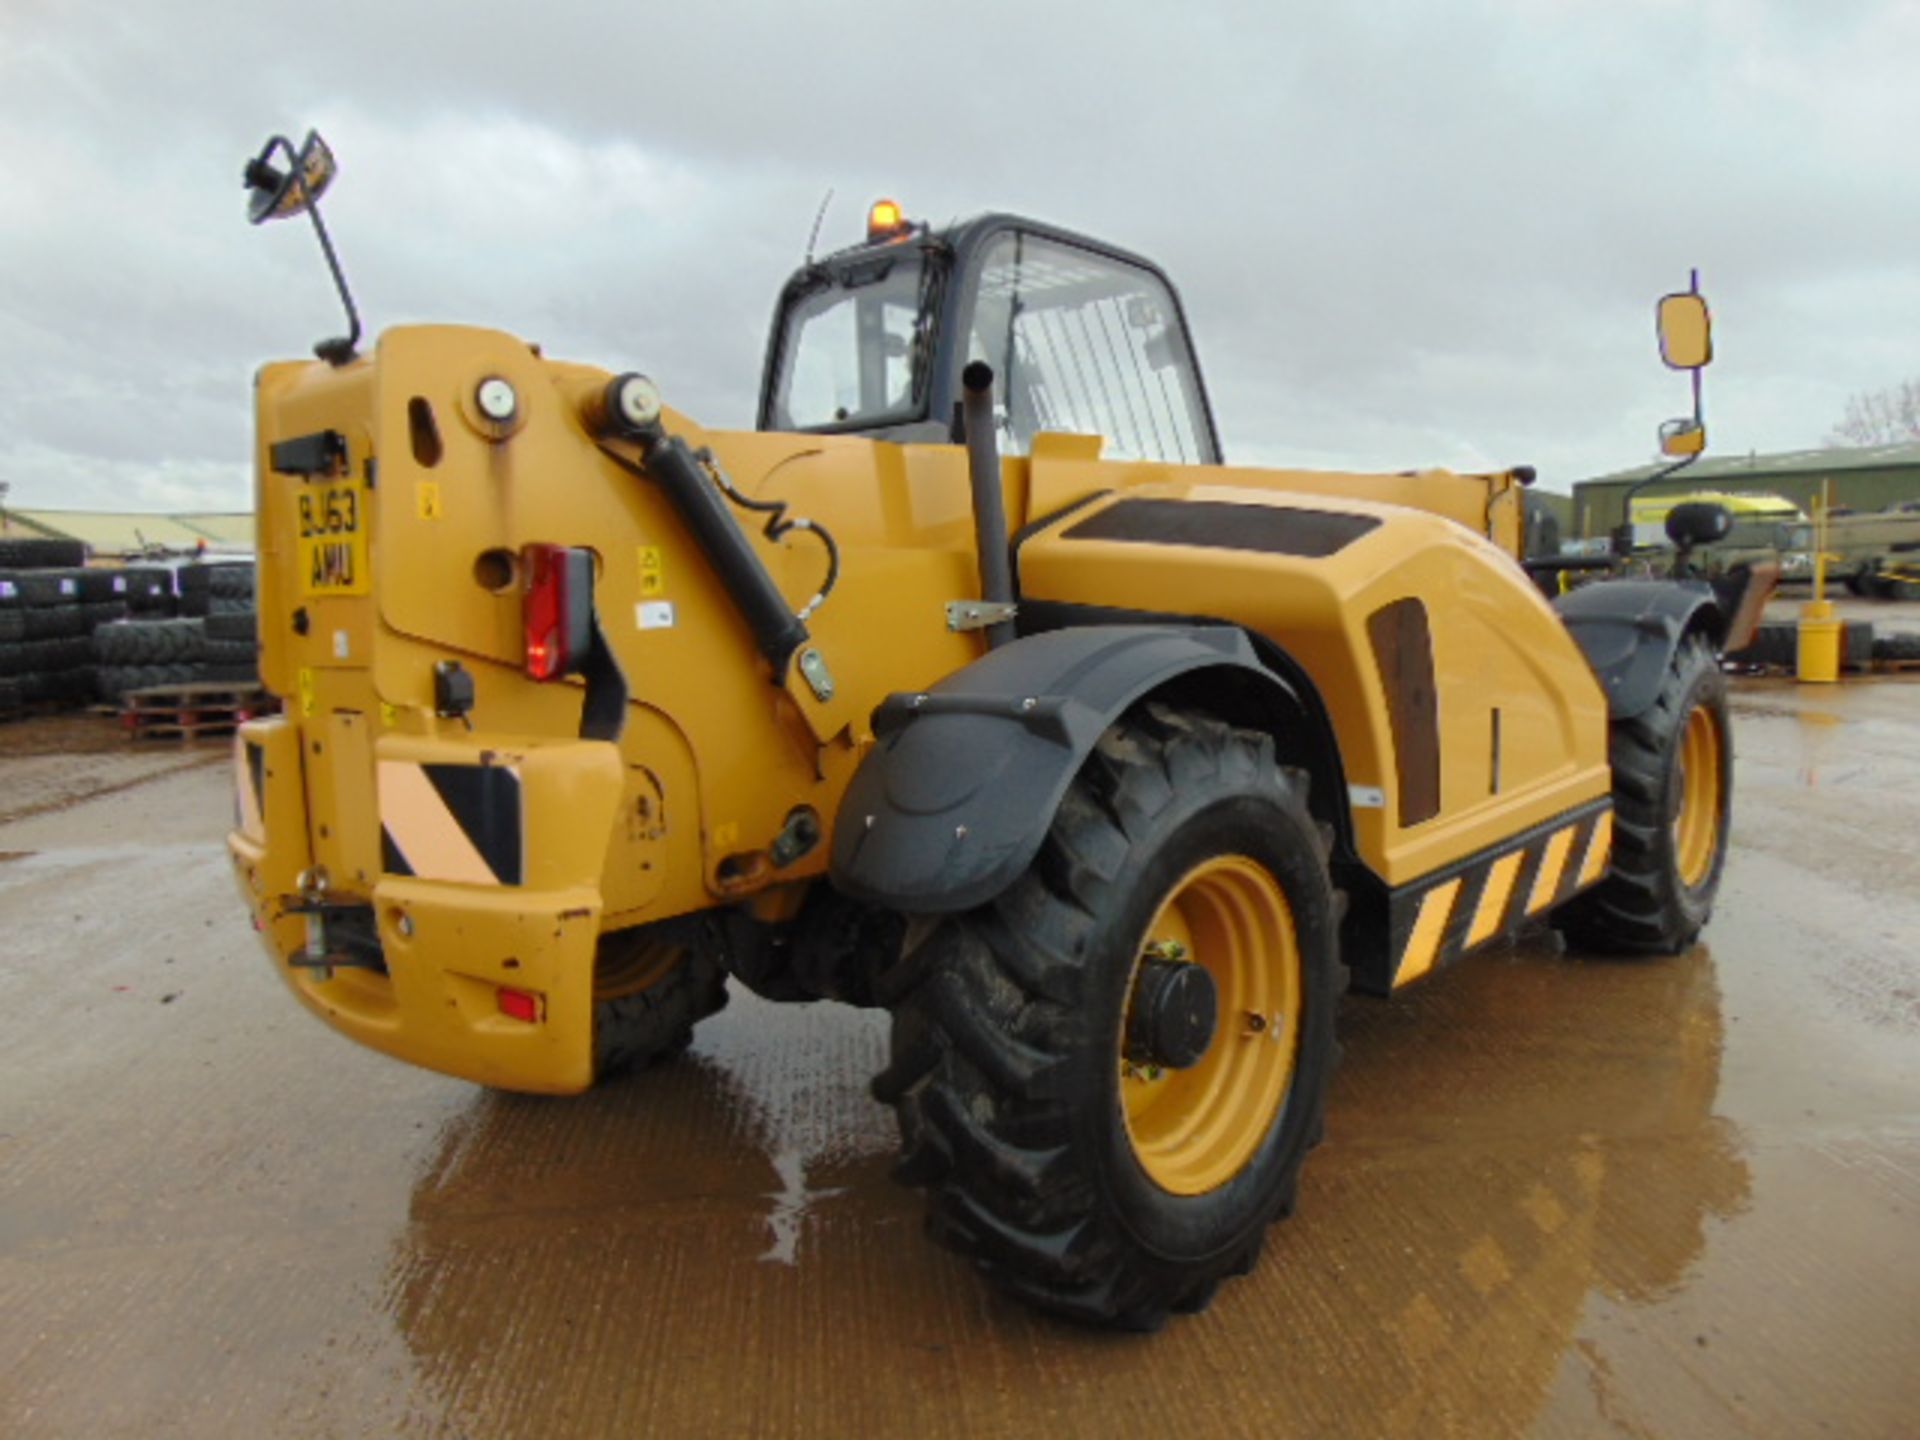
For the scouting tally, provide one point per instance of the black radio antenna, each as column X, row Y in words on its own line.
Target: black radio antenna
column 818, row 215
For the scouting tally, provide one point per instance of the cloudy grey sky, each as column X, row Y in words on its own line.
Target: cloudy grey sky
column 1407, row 233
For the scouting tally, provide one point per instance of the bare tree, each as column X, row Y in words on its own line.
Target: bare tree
column 1880, row 417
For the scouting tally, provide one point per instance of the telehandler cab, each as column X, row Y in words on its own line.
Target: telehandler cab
column 972, row 684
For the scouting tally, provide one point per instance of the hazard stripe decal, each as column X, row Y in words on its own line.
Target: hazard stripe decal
column 249, row 789
column 1467, row 905
column 451, row 822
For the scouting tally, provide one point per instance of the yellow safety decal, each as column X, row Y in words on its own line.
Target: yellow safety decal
column 441, row 821
column 1481, row 899
column 306, row 690
column 1547, row 883
column 727, row 836
column 1423, row 946
column 388, row 714
column 1598, row 849
column 1493, row 900
column 653, row 570
column 426, row 499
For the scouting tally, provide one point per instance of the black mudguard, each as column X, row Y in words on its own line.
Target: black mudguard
column 1629, row 630
column 951, row 804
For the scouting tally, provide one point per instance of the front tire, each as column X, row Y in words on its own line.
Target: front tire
column 1672, row 804
column 1106, row 1188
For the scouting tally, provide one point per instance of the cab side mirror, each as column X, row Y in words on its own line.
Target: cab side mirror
column 1682, row 437
column 274, row 193
column 1686, row 331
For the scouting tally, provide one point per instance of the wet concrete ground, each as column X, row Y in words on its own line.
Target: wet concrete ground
column 1560, row 1196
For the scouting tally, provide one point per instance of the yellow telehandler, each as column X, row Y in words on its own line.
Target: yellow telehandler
column 972, row 684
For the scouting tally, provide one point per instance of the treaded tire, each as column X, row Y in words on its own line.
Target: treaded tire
column 231, row 626
column 102, row 612
column 147, row 587
column 1897, row 647
column 1644, row 905
column 231, row 581
column 47, row 587
column 53, row 622
column 219, row 577
column 114, row 681
column 96, row 583
column 656, row 1023
column 20, row 553
column 1004, row 1070
column 151, row 642
column 57, row 653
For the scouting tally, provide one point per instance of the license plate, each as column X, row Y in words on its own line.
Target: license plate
column 333, row 539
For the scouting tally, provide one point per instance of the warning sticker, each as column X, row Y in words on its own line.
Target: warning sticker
column 653, row 571
column 654, row 614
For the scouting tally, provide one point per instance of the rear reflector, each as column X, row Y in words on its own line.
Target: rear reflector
column 519, row 1005
column 557, row 610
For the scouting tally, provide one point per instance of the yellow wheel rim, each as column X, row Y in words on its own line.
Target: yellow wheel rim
column 634, row 968
column 1195, row 1129
column 1696, row 822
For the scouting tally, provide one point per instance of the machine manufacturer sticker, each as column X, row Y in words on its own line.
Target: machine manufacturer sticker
column 333, row 539
column 654, row 614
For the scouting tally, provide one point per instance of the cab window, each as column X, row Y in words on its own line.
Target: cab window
column 854, row 348
column 1085, row 343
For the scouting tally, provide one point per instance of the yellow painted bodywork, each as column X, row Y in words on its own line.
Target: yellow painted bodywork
column 1496, row 644
column 678, row 814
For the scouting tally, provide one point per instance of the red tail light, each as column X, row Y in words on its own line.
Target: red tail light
column 519, row 1004
column 557, row 610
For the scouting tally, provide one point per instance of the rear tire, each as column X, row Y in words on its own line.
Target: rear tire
column 649, row 992
column 1672, row 799
column 1063, row 1183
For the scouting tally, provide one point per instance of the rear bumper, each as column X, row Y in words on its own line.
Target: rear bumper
column 449, row 946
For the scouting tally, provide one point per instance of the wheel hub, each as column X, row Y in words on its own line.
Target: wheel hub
column 1173, row 1015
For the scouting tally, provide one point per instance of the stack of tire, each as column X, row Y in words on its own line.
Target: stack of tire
column 140, row 654
column 212, row 641
column 48, row 605
column 223, row 594
column 148, row 591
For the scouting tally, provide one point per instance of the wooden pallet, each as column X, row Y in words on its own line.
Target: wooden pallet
column 183, row 711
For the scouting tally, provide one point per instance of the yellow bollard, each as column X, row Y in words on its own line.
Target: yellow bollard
column 1817, row 654
column 1817, row 658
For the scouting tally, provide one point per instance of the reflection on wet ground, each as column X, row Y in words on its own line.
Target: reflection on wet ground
column 1559, row 1195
